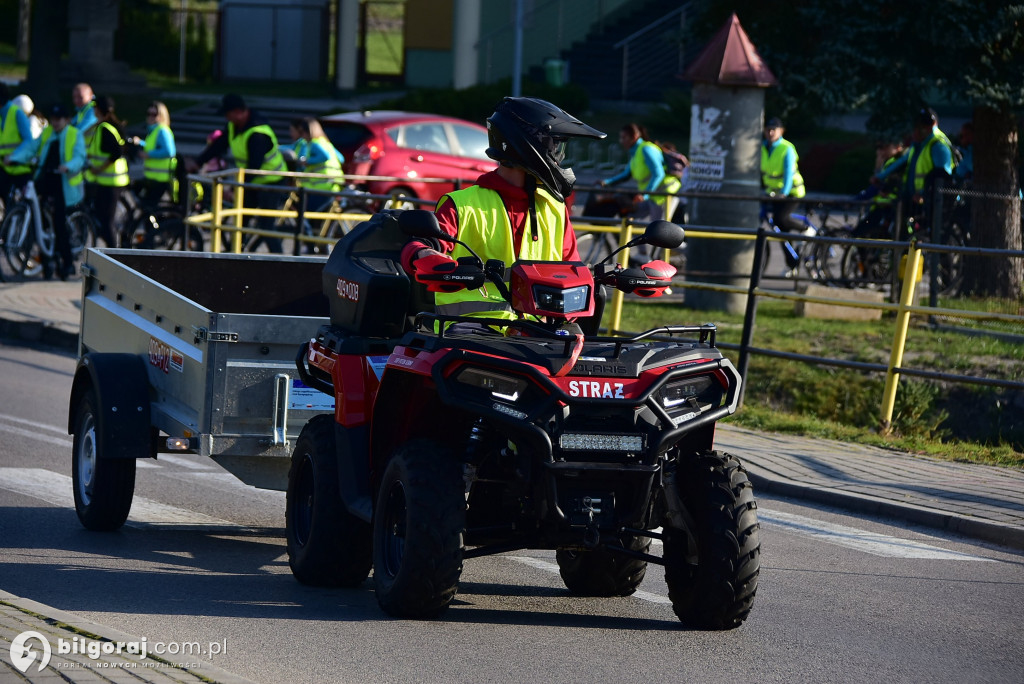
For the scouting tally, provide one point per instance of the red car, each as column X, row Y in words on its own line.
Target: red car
column 409, row 147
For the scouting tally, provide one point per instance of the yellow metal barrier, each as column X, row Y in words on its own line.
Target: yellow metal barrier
column 892, row 377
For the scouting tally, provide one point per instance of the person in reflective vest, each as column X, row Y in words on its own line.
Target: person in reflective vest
column 315, row 154
column 84, row 117
column 930, row 157
column 158, row 156
column 780, row 177
column 647, row 167
column 108, row 169
column 515, row 212
column 15, row 137
column 60, row 156
column 253, row 144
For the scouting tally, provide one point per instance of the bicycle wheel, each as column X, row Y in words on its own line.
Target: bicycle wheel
column 18, row 238
column 827, row 257
column 951, row 265
column 595, row 247
column 81, row 234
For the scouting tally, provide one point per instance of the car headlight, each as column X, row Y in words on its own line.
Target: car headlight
column 571, row 300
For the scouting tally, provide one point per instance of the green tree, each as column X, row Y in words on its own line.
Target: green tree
column 887, row 59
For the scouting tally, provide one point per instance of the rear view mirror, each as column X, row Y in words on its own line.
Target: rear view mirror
column 663, row 234
column 421, row 223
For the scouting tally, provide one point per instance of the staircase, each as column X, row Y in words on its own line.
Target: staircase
column 650, row 60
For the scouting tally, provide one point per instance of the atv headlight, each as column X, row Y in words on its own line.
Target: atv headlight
column 567, row 301
column 500, row 386
column 679, row 392
column 581, row 441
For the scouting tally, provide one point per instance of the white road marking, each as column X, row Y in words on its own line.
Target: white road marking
column 56, row 489
column 861, row 540
column 547, row 566
column 39, row 431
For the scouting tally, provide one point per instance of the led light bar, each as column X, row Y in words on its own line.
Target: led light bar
column 580, row 441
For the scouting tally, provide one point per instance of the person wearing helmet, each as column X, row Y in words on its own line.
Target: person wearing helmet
column 36, row 122
column 517, row 211
column 15, row 138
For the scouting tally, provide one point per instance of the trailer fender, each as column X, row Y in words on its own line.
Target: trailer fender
column 122, row 391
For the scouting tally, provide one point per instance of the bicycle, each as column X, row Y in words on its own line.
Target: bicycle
column 819, row 260
column 29, row 241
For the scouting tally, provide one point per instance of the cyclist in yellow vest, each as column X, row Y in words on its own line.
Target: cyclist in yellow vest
column 15, row 137
column 158, row 156
column 253, row 144
column 107, row 171
column 877, row 221
column 60, row 157
column 930, row 156
column 647, row 167
column 780, row 177
column 517, row 211
column 315, row 154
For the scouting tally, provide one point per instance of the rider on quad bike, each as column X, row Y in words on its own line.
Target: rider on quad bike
column 495, row 419
column 517, row 210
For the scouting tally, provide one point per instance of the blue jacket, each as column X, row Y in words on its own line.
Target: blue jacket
column 652, row 158
column 73, row 194
column 24, row 126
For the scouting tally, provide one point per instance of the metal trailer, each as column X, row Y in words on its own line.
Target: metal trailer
column 195, row 353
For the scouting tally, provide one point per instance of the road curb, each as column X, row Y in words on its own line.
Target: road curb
column 975, row 528
column 77, row 623
column 38, row 332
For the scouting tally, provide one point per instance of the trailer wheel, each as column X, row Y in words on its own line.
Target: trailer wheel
column 712, row 586
column 418, row 524
column 327, row 545
column 103, row 487
column 603, row 573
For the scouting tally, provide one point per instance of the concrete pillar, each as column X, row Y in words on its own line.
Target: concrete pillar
column 347, row 45
column 729, row 79
column 91, row 26
column 725, row 157
column 464, row 51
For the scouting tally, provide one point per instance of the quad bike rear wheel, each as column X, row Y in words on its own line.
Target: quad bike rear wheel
column 327, row 545
column 603, row 573
column 418, row 523
column 712, row 586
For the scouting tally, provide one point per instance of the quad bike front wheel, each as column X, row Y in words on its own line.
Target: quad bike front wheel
column 603, row 573
column 327, row 545
column 418, row 523
column 712, row 572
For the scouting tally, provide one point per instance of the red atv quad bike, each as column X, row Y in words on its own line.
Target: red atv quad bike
column 457, row 437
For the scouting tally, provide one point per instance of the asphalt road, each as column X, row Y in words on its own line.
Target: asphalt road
column 202, row 559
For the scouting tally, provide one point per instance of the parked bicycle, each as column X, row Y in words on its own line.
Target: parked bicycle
column 28, row 240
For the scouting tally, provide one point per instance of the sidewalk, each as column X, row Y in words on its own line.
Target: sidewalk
column 982, row 502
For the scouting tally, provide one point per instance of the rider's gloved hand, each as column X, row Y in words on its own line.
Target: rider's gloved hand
column 430, row 262
column 659, row 271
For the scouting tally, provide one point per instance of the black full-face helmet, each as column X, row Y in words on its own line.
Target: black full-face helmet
column 532, row 134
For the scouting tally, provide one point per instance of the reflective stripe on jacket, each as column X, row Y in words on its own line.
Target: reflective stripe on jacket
column 272, row 161
column 485, row 227
column 115, row 175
